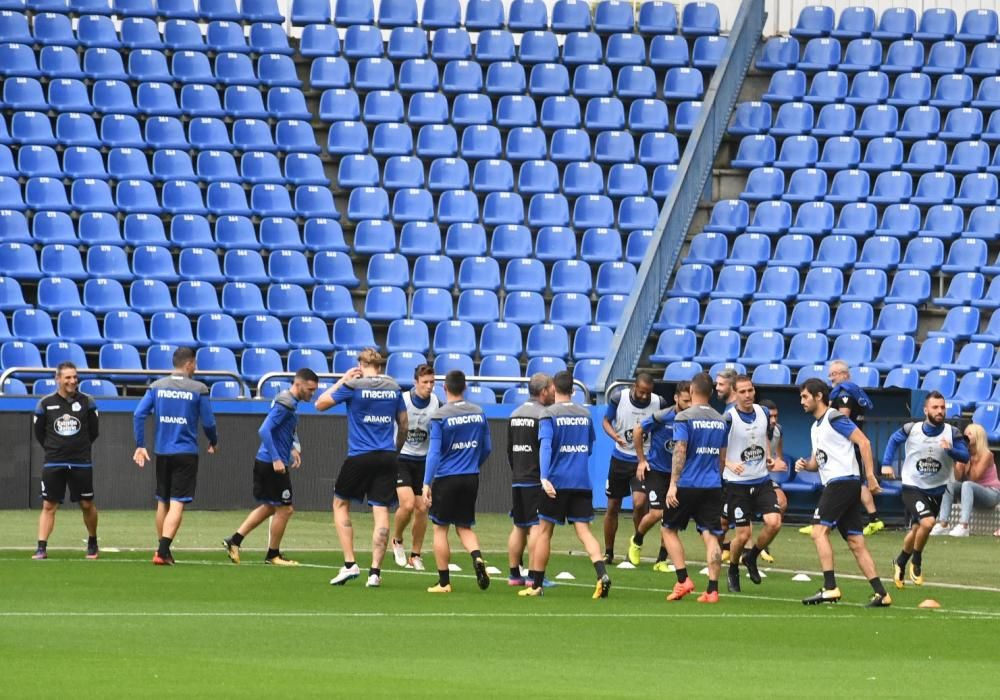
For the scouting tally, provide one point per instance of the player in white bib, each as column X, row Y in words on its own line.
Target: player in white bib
column 747, row 481
column 421, row 402
column 834, row 436
column 931, row 449
column 626, row 409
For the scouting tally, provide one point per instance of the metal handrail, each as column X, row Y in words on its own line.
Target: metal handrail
column 10, row 371
column 439, row 377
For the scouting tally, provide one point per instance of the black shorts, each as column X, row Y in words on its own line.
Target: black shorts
column 621, row 479
column 525, row 502
column 453, row 500
column 369, row 477
column 79, row 479
column 176, row 476
column 744, row 501
column 655, row 487
column 269, row 486
column 410, row 474
column 840, row 506
column 704, row 505
column 919, row 504
column 569, row 505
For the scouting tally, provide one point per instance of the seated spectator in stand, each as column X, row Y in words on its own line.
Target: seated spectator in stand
column 975, row 486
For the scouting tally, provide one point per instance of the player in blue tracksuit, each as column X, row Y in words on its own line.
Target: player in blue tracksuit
column 699, row 455
column 653, row 468
column 179, row 403
column 566, row 441
column 459, row 444
column 377, row 425
column 272, row 485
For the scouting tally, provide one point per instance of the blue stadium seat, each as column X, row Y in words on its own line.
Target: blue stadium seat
column 102, row 295
column 700, row 19
column 798, row 152
column 574, row 16
column 729, row 216
column 719, row 346
column 627, row 49
column 806, row 349
column 923, row 253
column 454, row 337
column 786, row 86
column 385, row 303
column 749, row 118
column 331, row 301
column 964, row 289
column 921, row 122
column 61, row 261
column 973, row 389
column 680, row 84
column 432, row 304
column 612, row 16
column 524, row 308
column 680, row 312
column 814, row 21
column 451, row 45
column 692, row 281
column 287, row 300
column 408, row 335
column 57, row 294
column 735, row 282
column 665, row 51
column 676, row 345
column 763, row 348
column 909, row 286
column 861, row 55
column 388, row 269
column 720, row 315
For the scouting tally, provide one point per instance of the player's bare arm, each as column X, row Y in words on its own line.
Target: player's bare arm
column 642, row 466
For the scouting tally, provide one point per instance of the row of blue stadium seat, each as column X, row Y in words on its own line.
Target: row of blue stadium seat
column 877, row 252
column 193, row 230
column 230, row 389
column 502, row 78
column 859, row 219
column 415, row 238
column 250, row 10
column 896, row 23
column 933, row 189
column 492, row 175
column 78, row 162
column 881, row 121
column 899, row 318
column 570, row 310
column 609, row 16
column 783, row 283
column 523, row 143
column 502, row 208
column 124, row 131
column 98, row 31
column 902, row 56
column 176, row 197
column 871, row 88
column 255, row 362
column 664, row 51
column 150, row 262
column 827, row 284
column 218, row 329
column 882, row 154
column 494, row 46
column 328, row 301
column 769, row 347
column 513, row 111
column 153, row 99
column 185, row 66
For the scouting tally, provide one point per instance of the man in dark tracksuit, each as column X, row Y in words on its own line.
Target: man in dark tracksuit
column 66, row 426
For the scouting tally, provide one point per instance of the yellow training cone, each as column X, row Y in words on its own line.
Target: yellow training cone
column 930, row 603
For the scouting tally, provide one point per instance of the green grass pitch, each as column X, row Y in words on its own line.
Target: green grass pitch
column 120, row 627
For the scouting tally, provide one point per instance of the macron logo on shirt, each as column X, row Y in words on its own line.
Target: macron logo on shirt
column 378, row 395
column 174, row 394
column 569, row 421
column 708, row 425
column 465, row 420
